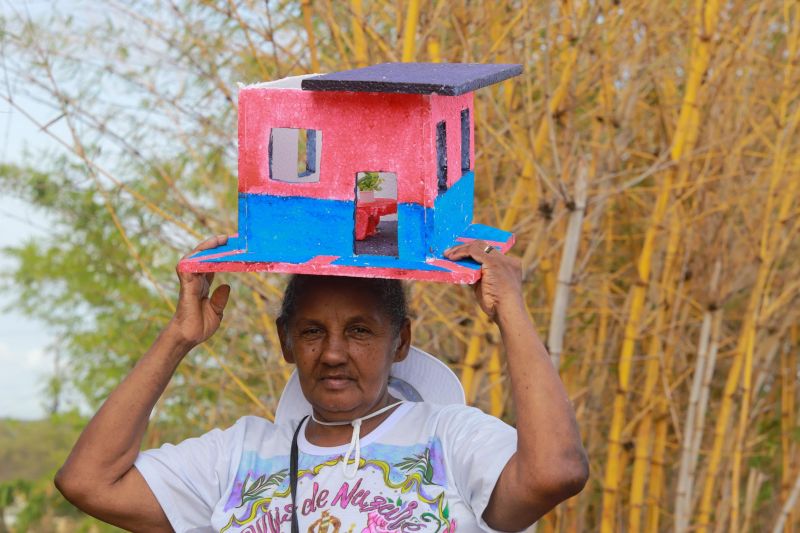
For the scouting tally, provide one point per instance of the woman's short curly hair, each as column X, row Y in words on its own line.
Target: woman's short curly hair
column 390, row 293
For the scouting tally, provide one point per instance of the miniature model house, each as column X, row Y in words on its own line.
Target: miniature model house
column 366, row 172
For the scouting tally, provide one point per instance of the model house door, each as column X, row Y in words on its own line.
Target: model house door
column 376, row 213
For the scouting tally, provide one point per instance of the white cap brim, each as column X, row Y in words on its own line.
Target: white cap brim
column 429, row 379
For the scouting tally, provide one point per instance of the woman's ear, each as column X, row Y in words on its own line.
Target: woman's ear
column 286, row 343
column 404, row 341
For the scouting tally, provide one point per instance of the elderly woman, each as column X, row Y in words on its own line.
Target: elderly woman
column 357, row 449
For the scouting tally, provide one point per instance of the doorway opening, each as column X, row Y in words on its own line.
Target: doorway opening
column 376, row 213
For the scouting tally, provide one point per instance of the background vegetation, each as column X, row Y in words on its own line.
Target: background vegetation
column 648, row 161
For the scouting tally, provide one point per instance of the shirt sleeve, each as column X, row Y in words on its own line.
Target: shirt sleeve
column 478, row 447
column 188, row 479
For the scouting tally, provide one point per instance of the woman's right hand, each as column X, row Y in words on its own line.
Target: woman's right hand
column 198, row 316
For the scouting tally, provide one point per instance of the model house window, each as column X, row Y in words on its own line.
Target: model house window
column 294, row 155
column 465, row 131
column 441, row 156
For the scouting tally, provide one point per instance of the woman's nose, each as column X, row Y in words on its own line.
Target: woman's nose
column 334, row 351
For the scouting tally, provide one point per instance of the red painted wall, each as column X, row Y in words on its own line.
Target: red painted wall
column 360, row 132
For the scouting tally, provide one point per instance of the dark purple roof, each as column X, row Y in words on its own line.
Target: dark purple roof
column 449, row 79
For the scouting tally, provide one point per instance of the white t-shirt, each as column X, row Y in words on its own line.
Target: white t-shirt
column 425, row 468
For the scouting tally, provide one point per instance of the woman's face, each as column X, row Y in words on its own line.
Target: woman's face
column 343, row 345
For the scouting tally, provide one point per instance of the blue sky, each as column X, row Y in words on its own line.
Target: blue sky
column 24, row 353
column 25, row 346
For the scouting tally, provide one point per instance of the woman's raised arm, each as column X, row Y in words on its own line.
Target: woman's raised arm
column 550, row 464
column 98, row 477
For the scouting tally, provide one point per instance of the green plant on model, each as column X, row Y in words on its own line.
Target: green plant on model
column 370, row 181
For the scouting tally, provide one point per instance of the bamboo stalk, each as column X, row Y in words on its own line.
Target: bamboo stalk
column 495, row 373
column 787, row 507
column 643, row 443
column 794, row 344
column 471, row 359
column 723, row 419
column 305, row 6
column 555, row 338
column 754, row 481
column 788, row 376
column 657, row 466
column 692, row 433
column 644, row 435
column 706, row 13
column 700, row 418
column 409, row 33
column 434, row 51
column 336, row 33
column 359, row 41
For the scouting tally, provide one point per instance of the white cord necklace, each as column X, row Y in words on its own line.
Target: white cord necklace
column 355, row 440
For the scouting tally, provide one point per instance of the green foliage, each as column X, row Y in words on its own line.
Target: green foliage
column 30, row 454
column 144, row 168
column 82, row 280
column 35, row 449
column 370, row 181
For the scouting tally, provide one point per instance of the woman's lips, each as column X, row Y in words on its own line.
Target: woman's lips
column 336, row 382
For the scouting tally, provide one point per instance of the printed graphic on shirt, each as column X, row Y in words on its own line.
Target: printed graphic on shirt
column 396, row 488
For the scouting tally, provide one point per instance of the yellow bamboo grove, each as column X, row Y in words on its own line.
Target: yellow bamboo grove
column 684, row 116
column 685, row 119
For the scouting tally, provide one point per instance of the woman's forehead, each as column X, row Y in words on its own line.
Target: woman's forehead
column 344, row 293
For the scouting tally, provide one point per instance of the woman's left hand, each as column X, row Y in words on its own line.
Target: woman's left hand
column 500, row 286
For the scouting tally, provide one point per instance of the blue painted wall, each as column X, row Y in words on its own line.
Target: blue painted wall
column 411, row 231
column 452, row 214
column 296, row 228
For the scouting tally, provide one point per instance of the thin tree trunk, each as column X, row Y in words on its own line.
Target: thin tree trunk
column 558, row 317
column 700, row 419
column 788, row 416
column 754, row 481
column 694, row 421
column 788, row 506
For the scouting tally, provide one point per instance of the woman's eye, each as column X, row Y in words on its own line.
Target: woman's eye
column 310, row 332
column 360, row 331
